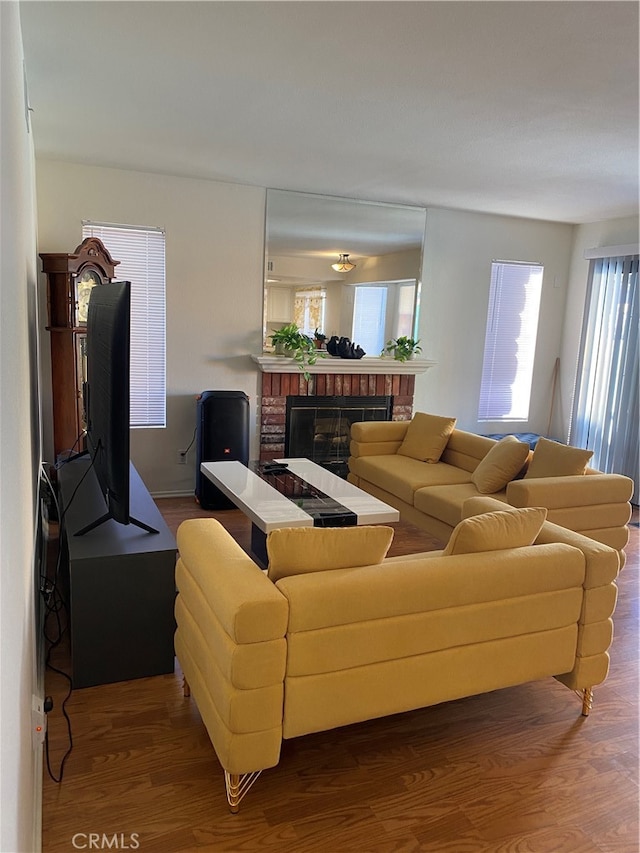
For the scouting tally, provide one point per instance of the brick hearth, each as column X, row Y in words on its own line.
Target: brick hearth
column 276, row 387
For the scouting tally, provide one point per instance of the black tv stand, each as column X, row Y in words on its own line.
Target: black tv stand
column 121, row 582
column 107, row 517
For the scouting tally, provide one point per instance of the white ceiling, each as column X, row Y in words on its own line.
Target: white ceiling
column 520, row 108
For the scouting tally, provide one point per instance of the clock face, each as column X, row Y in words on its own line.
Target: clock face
column 85, row 283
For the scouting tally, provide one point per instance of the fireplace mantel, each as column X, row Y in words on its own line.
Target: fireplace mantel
column 329, row 365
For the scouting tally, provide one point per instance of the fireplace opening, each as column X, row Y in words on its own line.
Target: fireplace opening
column 319, row 428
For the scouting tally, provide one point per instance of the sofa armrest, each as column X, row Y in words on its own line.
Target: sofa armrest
column 563, row 492
column 595, row 628
column 379, row 430
column 242, row 598
column 377, row 438
column 230, row 643
column 602, row 563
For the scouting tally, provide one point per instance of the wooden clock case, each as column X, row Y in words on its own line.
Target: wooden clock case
column 68, row 335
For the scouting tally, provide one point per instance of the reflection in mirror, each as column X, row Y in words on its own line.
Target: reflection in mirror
column 375, row 293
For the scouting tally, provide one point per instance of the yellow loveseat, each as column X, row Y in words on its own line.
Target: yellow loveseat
column 267, row 660
column 430, row 494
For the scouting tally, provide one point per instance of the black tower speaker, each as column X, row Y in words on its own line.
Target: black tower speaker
column 222, row 432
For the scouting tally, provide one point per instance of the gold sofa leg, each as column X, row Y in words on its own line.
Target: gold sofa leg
column 186, row 690
column 587, row 701
column 237, row 786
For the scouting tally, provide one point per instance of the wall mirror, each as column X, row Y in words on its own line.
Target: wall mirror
column 373, row 296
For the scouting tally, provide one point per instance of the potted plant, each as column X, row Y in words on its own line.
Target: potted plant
column 319, row 338
column 402, row 348
column 291, row 342
column 286, row 339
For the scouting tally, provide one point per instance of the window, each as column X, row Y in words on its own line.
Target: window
column 510, row 341
column 406, row 308
column 369, row 312
column 308, row 309
column 141, row 252
column 383, row 310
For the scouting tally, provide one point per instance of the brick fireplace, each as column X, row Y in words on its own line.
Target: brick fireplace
column 368, row 377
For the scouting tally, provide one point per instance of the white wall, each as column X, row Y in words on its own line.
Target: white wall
column 215, row 234
column 20, row 765
column 459, row 249
column 614, row 232
column 214, row 263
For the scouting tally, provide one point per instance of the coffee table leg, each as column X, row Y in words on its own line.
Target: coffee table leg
column 259, row 546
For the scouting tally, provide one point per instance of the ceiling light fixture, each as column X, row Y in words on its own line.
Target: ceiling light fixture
column 343, row 264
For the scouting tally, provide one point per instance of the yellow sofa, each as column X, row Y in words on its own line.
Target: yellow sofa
column 431, row 494
column 315, row 651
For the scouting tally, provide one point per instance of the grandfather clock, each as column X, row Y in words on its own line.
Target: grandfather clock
column 70, row 280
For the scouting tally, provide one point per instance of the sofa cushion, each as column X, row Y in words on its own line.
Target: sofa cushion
column 299, row 550
column 495, row 531
column 427, row 437
column 445, row 502
column 552, row 459
column 402, row 476
column 501, row 464
column 466, row 449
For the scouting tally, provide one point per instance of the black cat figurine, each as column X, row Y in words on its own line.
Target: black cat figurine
column 332, row 345
column 344, row 348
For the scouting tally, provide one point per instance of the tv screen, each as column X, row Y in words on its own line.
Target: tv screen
column 106, row 398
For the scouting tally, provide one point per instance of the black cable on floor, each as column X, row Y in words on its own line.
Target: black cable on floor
column 55, row 605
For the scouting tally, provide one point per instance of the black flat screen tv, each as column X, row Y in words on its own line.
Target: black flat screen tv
column 106, row 399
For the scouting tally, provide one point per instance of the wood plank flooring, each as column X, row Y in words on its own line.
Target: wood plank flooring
column 513, row 771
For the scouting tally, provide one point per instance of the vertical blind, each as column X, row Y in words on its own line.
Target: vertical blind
column 605, row 410
column 510, row 341
column 141, row 252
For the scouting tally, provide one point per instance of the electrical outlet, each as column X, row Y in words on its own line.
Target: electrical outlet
column 38, row 722
column 182, row 457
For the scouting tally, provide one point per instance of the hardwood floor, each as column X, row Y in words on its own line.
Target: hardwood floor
column 513, row 771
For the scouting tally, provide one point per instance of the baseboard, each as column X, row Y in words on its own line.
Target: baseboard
column 38, row 767
column 188, row 494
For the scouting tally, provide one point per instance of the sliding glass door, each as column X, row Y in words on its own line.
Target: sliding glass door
column 606, row 411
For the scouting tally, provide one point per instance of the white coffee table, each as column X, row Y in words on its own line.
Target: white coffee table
column 268, row 509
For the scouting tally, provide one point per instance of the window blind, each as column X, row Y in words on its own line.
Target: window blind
column 510, row 340
column 605, row 410
column 141, row 252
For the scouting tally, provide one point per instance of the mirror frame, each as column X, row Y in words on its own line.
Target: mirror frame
column 365, row 234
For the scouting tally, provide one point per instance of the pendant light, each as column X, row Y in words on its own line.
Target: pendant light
column 343, row 264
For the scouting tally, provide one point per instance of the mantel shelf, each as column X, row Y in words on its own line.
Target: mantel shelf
column 331, row 364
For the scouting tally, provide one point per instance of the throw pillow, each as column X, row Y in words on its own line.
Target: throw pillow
column 495, row 531
column 299, row 550
column 552, row 459
column 500, row 465
column 427, row 436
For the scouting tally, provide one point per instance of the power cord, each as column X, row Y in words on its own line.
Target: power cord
column 184, row 452
column 79, row 483
column 55, row 605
